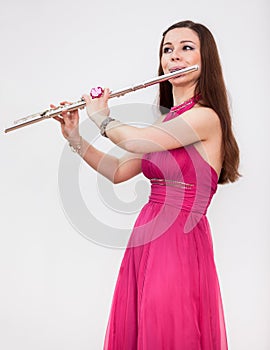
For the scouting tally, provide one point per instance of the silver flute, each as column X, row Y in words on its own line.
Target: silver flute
column 49, row 113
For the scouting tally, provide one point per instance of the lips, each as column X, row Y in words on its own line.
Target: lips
column 174, row 69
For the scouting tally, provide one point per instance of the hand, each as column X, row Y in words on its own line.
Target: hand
column 69, row 123
column 97, row 108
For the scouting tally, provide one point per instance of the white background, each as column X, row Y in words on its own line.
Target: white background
column 56, row 286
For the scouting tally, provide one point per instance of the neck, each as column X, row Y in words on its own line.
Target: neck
column 181, row 95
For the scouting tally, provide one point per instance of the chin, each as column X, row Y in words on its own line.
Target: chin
column 180, row 81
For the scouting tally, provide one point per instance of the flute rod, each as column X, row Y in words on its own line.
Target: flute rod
column 49, row 113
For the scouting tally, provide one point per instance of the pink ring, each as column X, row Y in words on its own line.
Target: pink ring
column 96, row 92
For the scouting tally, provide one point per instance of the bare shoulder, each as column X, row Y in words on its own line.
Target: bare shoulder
column 203, row 114
column 204, row 120
column 208, row 126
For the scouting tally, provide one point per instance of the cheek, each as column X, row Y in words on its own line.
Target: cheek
column 198, row 57
column 193, row 55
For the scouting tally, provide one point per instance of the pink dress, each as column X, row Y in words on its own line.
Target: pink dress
column 167, row 295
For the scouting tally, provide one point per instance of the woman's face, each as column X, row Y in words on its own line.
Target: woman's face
column 181, row 49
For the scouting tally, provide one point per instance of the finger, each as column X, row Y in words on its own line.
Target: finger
column 86, row 98
column 69, row 117
column 66, row 112
column 60, row 120
column 66, row 116
column 55, row 107
column 106, row 94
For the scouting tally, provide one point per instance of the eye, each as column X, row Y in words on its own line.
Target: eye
column 187, row 48
column 167, row 50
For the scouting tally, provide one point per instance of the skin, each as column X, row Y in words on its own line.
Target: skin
column 199, row 126
column 181, row 49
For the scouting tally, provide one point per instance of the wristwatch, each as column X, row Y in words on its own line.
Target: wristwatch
column 104, row 125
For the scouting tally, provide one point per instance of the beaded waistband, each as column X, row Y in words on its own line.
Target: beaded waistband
column 175, row 183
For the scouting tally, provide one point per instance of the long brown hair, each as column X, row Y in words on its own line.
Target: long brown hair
column 212, row 89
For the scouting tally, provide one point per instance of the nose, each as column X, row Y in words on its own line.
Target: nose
column 175, row 56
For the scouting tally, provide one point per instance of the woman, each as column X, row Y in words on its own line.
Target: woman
column 167, row 294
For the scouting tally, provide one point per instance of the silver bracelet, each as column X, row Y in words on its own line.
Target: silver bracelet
column 76, row 148
column 104, row 125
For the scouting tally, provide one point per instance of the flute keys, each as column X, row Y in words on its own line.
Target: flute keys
column 26, row 119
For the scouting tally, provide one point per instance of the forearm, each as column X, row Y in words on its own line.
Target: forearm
column 125, row 136
column 103, row 163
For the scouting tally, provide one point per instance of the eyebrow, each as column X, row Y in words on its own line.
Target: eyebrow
column 181, row 42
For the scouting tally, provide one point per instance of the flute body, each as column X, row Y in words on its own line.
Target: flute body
column 49, row 113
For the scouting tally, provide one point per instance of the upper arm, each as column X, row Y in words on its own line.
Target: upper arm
column 159, row 119
column 129, row 166
column 197, row 124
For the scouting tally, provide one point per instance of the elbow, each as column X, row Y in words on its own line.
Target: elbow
column 116, row 180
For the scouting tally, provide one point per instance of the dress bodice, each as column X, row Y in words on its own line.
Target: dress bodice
column 181, row 165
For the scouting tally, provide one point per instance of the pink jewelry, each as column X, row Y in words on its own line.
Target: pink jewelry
column 96, row 92
column 184, row 104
